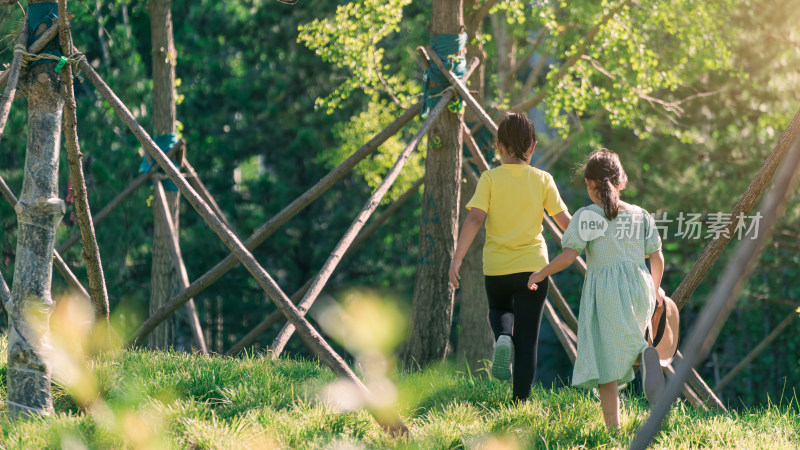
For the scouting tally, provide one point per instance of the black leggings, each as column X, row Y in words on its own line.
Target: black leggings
column 510, row 302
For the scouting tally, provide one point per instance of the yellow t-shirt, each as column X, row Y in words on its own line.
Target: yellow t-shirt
column 514, row 197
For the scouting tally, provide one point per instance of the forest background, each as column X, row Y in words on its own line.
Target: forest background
column 265, row 116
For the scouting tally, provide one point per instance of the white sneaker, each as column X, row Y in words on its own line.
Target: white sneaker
column 501, row 362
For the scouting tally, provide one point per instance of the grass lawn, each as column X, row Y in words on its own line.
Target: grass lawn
column 176, row 400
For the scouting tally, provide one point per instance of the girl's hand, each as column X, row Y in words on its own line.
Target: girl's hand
column 453, row 274
column 660, row 294
column 536, row 277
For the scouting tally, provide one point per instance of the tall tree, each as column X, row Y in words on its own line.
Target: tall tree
column 433, row 295
column 164, row 281
column 475, row 340
column 39, row 212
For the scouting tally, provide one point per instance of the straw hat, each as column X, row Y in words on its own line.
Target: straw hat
column 664, row 327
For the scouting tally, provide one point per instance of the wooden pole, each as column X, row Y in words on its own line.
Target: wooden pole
column 562, row 305
column 267, row 323
column 717, row 309
column 36, row 47
column 116, row 201
column 270, row 320
column 388, row 419
column 91, row 252
column 198, row 185
column 755, row 351
column 746, row 203
column 700, row 387
column 183, row 276
column 5, row 293
column 273, row 224
column 474, row 150
column 58, row 262
column 463, row 92
column 569, row 344
column 338, row 252
column 13, row 77
column 688, row 393
column 72, row 280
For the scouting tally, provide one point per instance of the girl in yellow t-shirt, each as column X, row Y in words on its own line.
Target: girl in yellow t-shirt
column 512, row 198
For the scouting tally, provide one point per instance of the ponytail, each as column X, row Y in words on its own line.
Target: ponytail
column 610, row 198
column 605, row 170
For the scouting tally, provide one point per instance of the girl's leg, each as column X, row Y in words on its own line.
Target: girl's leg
column 501, row 311
column 501, row 318
column 528, row 307
column 609, row 402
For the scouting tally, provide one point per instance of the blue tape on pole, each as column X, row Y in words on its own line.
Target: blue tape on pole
column 47, row 14
column 164, row 142
column 449, row 48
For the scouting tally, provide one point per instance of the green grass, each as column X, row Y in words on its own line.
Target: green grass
column 176, row 400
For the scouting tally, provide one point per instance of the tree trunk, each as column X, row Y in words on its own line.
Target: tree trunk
column 433, row 296
column 164, row 281
column 475, row 341
column 39, row 212
column 504, row 54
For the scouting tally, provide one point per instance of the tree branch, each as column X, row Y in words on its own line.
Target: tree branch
column 673, row 107
column 562, row 71
column 380, row 77
column 535, row 46
column 479, row 14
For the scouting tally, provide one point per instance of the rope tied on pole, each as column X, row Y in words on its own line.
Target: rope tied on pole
column 449, row 47
column 74, row 60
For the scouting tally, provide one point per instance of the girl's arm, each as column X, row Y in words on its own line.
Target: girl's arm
column 561, row 262
column 562, row 219
column 657, row 272
column 470, row 228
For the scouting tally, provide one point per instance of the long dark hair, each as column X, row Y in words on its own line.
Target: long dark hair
column 604, row 168
column 517, row 134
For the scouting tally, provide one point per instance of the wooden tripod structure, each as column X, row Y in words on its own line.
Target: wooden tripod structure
column 557, row 310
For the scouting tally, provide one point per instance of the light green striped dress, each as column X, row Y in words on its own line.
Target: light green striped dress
column 618, row 294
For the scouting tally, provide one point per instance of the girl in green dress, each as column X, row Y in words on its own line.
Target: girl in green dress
column 619, row 294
